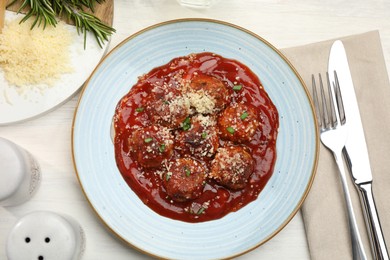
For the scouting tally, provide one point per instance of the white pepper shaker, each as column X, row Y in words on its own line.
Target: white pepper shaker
column 46, row 235
column 20, row 174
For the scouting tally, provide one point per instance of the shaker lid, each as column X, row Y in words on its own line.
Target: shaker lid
column 43, row 235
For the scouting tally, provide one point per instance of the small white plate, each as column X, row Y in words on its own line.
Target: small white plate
column 16, row 107
column 120, row 208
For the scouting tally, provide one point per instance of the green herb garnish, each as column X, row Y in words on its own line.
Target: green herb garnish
column 186, row 124
column 204, row 135
column 162, row 148
column 230, row 129
column 244, row 115
column 200, row 211
column 148, row 140
column 237, row 87
column 187, row 171
column 139, row 109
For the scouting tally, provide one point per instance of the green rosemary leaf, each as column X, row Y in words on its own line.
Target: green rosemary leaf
column 47, row 11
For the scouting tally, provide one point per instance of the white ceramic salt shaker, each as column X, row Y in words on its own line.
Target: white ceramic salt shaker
column 19, row 174
column 45, row 235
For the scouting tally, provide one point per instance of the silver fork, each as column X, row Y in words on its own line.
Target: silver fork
column 333, row 134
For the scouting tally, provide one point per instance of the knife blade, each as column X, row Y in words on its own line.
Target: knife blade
column 355, row 150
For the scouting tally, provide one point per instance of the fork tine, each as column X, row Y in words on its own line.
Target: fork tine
column 316, row 102
column 325, row 114
column 332, row 111
column 335, row 101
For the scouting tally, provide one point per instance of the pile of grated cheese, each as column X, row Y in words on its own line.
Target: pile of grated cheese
column 38, row 56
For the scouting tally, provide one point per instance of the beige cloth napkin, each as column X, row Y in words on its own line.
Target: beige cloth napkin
column 324, row 209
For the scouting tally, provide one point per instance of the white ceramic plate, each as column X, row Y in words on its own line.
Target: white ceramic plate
column 16, row 107
column 118, row 206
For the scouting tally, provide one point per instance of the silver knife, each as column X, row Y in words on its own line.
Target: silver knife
column 355, row 150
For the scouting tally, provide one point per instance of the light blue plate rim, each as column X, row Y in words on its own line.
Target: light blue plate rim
column 122, row 211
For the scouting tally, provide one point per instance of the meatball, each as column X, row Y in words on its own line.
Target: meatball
column 204, row 87
column 238, row 122
column 185, row 179
column 168, row 107
column 232, row 167
column 200, row 140
column 151, row 145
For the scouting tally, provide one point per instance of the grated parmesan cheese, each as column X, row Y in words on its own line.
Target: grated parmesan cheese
column 30, row 57
column 177, row 104
column 205, row 121
column 202, row 103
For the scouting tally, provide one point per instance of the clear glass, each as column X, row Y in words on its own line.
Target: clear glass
column 197, row 3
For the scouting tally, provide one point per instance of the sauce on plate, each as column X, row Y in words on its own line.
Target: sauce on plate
column 195, row 139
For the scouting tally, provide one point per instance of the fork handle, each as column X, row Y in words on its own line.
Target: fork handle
column 372, row 222
column 357, row 245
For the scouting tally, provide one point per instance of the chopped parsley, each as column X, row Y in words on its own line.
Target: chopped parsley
column 200, row 211
column 148, row 140
column 161, row 148
column 187, row 171
column 237, row 87
column 139, row 109
column 230, row 129
column 186, row 124
column 244, row 115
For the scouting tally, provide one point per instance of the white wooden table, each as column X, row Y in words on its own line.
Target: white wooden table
column 284, row 23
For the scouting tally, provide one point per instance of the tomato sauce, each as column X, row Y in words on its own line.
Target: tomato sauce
column 216, row 201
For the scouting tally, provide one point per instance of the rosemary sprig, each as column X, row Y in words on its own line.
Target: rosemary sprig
column 42, row 11
column 46, row 11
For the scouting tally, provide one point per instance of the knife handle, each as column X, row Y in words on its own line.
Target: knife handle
column 378, row 244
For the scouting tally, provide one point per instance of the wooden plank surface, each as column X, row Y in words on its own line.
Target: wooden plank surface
column 104, row 11
column 2, row 14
